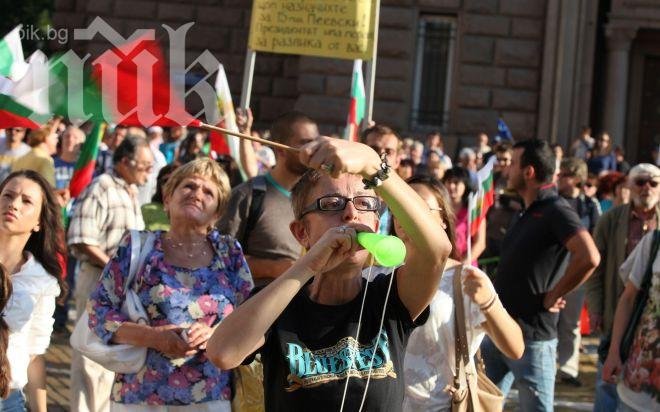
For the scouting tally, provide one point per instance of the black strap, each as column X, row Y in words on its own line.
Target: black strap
column 258, row 185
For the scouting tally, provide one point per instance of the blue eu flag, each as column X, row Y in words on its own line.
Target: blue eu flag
column 503, row 132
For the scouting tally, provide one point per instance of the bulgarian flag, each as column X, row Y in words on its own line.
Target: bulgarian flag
column 80, row 100
column 24, row 103
column 135, row 80
column 84, row 170
column 357, row 107
column 221, row 143
column 12, row 62
column 483, row 199
column 15, row 114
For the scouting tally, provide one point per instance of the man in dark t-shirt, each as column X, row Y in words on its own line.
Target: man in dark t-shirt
column 526, row 279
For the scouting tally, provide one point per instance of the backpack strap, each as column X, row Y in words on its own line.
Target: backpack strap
column 258, row 185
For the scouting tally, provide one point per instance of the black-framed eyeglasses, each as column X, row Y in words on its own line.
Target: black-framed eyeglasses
column 336, row 203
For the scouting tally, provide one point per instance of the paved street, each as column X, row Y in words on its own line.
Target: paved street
column 567, row 398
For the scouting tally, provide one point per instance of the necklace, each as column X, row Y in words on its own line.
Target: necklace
column 193, row 250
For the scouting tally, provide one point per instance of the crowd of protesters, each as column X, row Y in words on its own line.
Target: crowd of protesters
column 255, row 289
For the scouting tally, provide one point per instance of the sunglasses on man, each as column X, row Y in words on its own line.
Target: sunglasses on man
column 642, row 182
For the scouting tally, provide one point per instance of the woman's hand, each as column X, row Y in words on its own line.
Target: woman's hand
column 612, row 367
column 337, row 156
column 477, row 286
column 198, row 334
column 244, row 120
column 332, row 248
column 167, row 339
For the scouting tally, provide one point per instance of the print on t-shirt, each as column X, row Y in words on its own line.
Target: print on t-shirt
column 346, row 358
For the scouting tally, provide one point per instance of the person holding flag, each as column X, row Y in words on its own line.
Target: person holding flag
column 460, row 185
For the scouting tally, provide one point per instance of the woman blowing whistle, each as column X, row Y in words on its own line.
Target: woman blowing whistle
column 325, row 344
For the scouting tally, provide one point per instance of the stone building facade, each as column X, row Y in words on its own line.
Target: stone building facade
column 545, row 66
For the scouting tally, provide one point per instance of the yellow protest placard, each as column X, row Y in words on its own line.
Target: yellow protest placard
column 341, row 29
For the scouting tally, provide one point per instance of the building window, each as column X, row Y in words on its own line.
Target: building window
column 436, row 37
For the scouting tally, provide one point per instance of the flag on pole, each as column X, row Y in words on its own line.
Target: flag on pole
column 358, row 104
column 134, row 86
column 84, row 169
column 221, row 143
column 12, row 62
column 24, row 103
column 503, row 131
column 80, row 101
column 14, row 114
column 484, row 198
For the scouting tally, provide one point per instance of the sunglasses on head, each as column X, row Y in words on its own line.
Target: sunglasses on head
column 642, row 182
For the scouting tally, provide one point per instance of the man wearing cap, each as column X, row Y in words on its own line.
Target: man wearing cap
column 616, row 234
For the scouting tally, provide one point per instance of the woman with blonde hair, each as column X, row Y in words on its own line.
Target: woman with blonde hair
column 191, row 279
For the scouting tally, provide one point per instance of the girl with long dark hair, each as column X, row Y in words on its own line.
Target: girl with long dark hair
column 31, row 238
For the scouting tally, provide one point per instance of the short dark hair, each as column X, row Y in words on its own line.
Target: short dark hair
column 128, row 148
column 502, row 147
column 281, row 130
column 378, row 130
column 538, row 154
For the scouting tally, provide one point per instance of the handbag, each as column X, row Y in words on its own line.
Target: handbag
column 472, row 391
column 119, row 358
column 641, row 299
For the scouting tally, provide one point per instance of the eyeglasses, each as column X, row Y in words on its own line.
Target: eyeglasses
column 388, row 151
column 642, row 182
column 336, row 203
column 146, row 167
column 588, row 185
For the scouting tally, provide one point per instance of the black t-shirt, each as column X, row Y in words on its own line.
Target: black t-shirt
column 532, row 252
column 307, row 353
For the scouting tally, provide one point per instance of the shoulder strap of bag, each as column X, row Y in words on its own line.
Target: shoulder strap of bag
column 462, row 343
column 459, row 328
column 138, row 253
column 258, row 185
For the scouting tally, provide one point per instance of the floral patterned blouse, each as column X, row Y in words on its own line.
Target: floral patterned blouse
column 172, row 296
